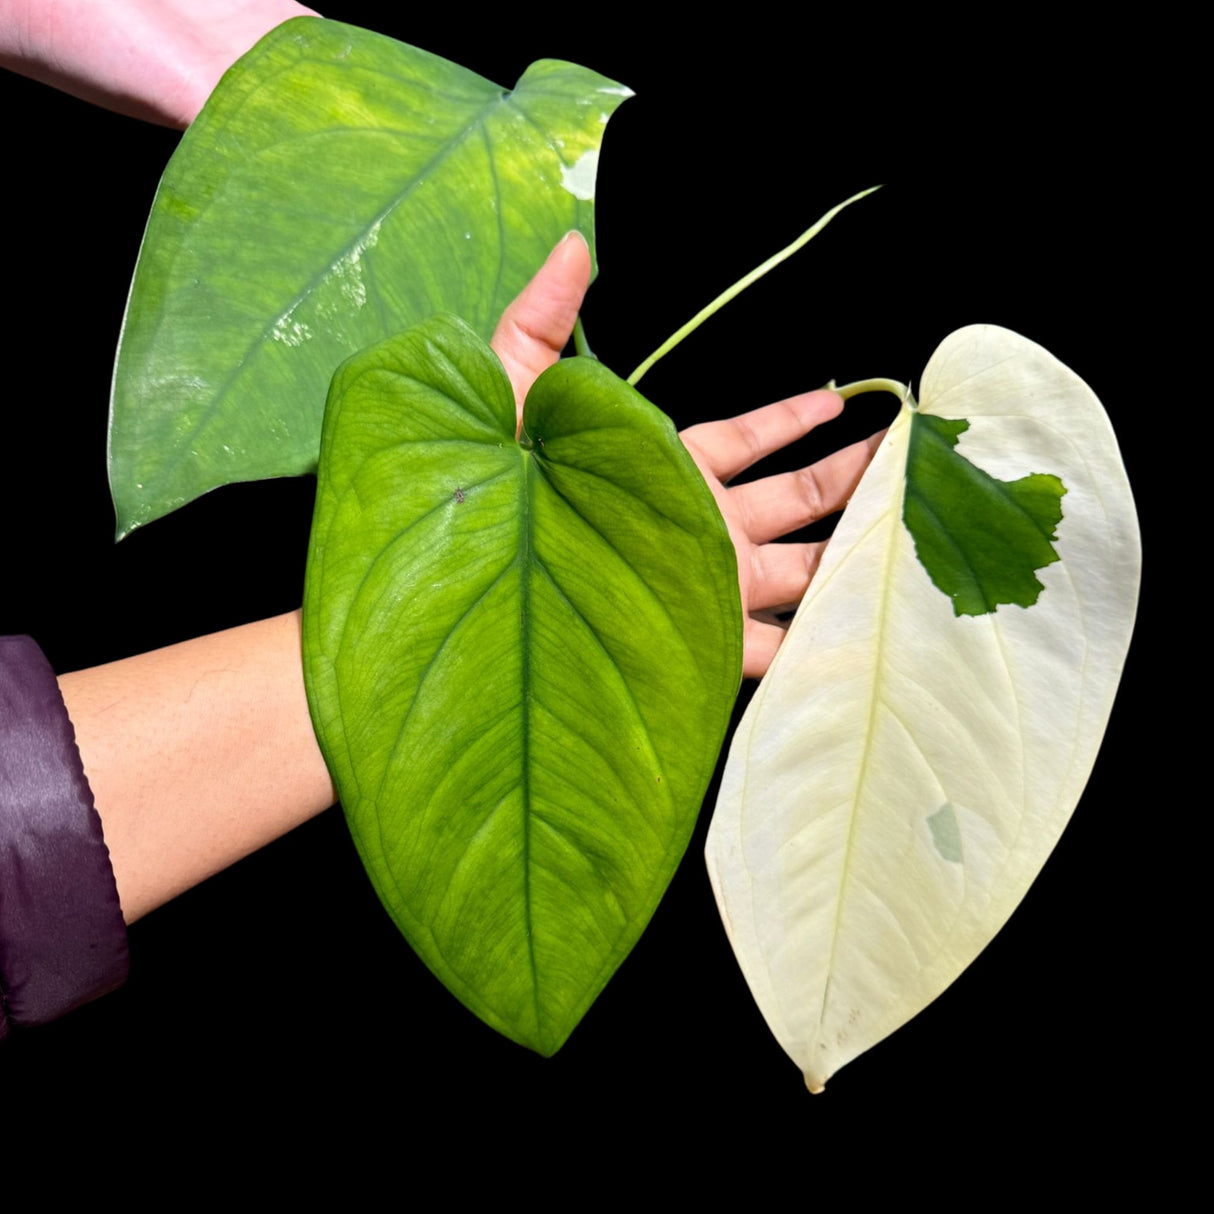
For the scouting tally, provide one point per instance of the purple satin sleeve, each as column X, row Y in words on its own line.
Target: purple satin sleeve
column 62, row 937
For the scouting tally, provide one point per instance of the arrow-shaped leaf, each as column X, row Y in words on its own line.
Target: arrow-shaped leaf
column 521, row 658
column 904, row 770
column 337, row 187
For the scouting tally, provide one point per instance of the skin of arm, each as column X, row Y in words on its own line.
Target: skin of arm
column 197, row 754
column 151, row 59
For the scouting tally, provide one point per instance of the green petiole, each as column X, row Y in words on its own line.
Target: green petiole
column 738, row 287
column 861, row 386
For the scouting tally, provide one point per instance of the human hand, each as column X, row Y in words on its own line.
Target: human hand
column 773, row 576
column 536, row 326
column 529, row 338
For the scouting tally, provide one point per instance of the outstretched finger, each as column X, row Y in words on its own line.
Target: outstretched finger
column 781, row 573
column 776, row 505
column 731, row 446
column 534, row 329
column 759, row 644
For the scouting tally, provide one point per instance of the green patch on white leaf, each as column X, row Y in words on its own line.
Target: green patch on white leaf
column 946, row 833
column 980, row 538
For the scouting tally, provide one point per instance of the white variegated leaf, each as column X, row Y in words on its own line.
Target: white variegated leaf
column 905, row 769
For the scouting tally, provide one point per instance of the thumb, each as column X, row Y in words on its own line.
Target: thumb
column 533, row 330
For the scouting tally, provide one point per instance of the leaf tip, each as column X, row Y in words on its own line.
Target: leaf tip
column 123, row 526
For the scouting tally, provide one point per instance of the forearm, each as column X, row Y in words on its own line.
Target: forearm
column 151, row 59
column 197, row 754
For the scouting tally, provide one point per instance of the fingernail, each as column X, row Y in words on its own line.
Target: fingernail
column 572, row 234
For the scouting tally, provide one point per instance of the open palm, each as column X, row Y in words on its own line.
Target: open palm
column 771, row 576
column 530, row 337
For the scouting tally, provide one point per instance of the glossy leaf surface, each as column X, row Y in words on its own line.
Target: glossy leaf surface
column 337, row 187
column 904, row 771
column 521, row 659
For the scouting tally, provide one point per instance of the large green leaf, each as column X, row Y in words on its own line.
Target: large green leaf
column 521, row 658
column 930, row 722
column 337, row 187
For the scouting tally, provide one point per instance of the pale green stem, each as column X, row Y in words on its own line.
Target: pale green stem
column 579, row 340
column 738, row 287
column 861, row 386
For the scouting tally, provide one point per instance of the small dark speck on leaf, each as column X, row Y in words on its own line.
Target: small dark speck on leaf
column 459, row 495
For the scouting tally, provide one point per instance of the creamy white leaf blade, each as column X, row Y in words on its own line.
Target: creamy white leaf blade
column 903, row 773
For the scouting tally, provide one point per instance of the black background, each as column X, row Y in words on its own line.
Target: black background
column 1014, row 194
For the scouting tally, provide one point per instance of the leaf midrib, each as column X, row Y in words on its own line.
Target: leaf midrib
column 895, row 522
column 525, row 547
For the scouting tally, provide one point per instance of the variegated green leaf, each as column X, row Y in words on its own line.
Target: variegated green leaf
column 337, row 187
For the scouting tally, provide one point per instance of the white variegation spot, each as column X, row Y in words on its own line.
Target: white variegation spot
column 903, row 773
